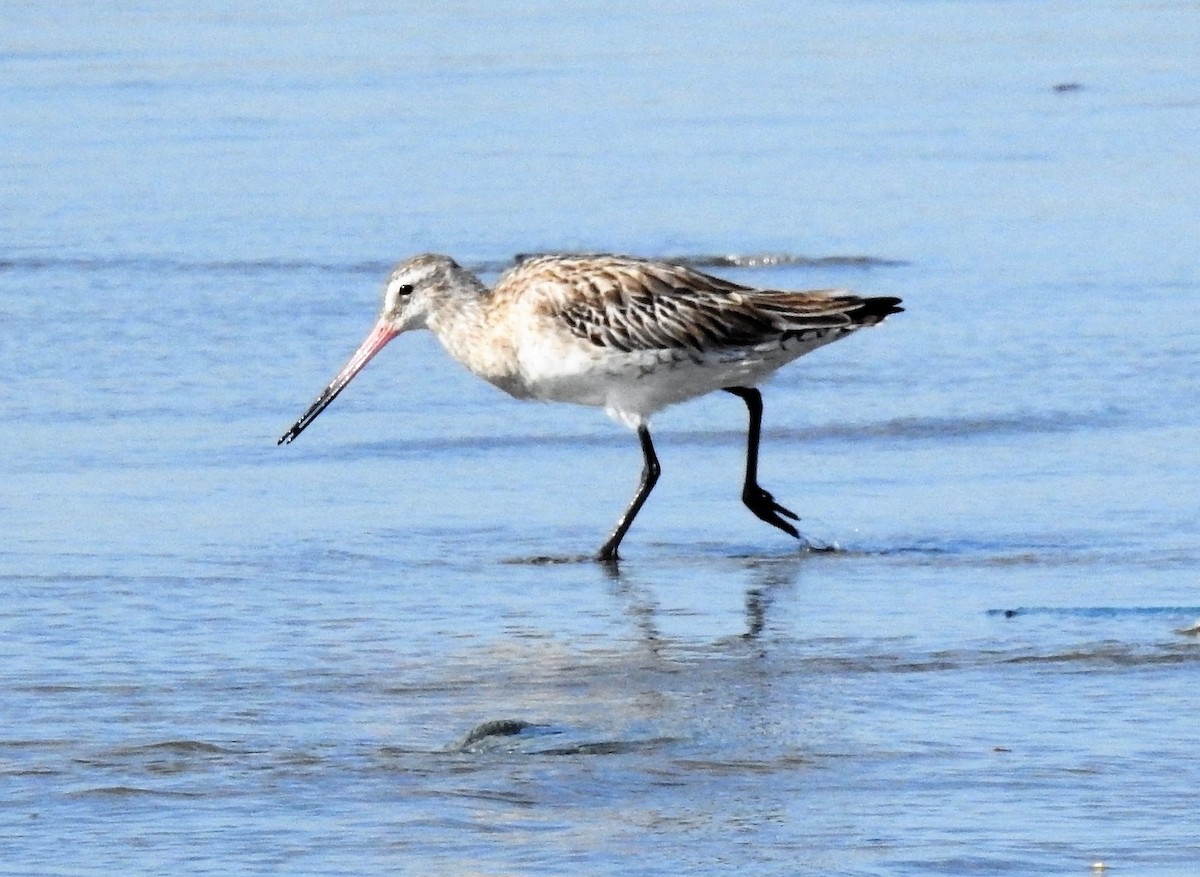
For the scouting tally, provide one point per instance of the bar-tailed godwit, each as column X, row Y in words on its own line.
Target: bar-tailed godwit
column 631, row 336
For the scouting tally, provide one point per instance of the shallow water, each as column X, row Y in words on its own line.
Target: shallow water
column 220, row 656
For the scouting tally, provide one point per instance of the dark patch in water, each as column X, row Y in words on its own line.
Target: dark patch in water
column 131, row 792
column 1084, row 658
column 603, row 747
column 1052, row 552
column 953, row 427
column 1097, row 611
column 1111, row 654
column 494, row 728
column 174, row 747
column 517, row 799
column 500, row 733
column 808, row 545
column 742, row 767
column 550, row 560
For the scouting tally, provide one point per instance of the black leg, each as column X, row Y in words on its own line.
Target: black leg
column 650, row 473
column 756, row 499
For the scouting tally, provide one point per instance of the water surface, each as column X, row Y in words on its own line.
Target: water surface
column 220, row 656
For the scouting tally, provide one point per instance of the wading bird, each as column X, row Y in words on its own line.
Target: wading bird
column 631, row 336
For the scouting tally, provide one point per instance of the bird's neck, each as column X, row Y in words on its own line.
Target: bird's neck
column 468, row 327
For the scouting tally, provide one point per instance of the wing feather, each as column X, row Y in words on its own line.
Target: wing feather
column 635, row 305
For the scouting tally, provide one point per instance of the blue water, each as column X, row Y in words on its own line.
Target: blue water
column 219, row 656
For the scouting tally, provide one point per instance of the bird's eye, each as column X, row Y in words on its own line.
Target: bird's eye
column 406, row 289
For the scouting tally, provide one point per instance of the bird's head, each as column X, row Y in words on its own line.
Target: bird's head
column 414, row 289
column 412, row 292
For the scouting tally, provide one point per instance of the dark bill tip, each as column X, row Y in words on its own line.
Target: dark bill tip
column 380, row 335
column 327, row 396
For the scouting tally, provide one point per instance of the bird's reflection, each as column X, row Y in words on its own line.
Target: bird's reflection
column 639, row 602
column 765, row 578
column 768, row 576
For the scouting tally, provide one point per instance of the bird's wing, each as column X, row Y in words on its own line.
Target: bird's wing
column 633, row 305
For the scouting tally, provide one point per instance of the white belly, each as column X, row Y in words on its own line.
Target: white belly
column 632, row 386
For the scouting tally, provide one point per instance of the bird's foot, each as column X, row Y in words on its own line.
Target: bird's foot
column 766, row 509
column 607, row 554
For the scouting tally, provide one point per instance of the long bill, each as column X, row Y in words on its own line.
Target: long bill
column 380, row 335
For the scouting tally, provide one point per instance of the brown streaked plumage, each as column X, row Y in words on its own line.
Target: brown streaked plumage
column 628, row 335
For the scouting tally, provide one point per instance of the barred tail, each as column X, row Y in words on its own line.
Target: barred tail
column 874, row 310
